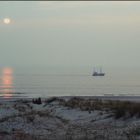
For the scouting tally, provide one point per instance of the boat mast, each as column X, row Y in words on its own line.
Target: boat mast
column 94, row 69
column 100, row 70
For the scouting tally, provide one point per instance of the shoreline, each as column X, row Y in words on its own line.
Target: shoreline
column 133, row 98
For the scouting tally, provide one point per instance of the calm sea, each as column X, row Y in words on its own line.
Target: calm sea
column 35, row 82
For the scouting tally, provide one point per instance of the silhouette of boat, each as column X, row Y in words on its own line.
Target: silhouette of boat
column 98, row 72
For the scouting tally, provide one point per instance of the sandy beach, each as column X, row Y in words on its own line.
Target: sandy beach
column 69, row 118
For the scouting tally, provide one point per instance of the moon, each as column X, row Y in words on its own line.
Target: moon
column 7, row 20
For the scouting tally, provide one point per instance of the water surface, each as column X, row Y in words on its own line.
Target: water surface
column 35, row 83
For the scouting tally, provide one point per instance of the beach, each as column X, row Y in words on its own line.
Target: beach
column 69, row 70
column 69, row 118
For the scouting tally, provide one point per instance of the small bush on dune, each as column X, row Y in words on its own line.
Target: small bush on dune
column 119, row 112
column 50, row 100
column 123, row 108
column 30, row 118
column 37, row 101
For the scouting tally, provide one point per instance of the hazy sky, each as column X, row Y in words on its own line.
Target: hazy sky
column 70, row 33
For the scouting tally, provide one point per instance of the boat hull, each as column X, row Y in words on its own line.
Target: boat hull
column 98, row 74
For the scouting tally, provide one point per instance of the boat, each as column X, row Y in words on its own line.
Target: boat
column 98, row 72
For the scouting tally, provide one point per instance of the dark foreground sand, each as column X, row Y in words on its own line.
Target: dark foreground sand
column 70, row 118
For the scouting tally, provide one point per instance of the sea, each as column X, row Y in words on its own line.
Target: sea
column 32, row 82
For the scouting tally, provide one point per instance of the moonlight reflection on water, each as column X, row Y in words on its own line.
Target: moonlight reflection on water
column 7, row 82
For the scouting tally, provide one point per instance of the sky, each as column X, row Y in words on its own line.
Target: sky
column 80, row 33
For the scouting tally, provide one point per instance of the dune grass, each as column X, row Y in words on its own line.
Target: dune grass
column 118, row 108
